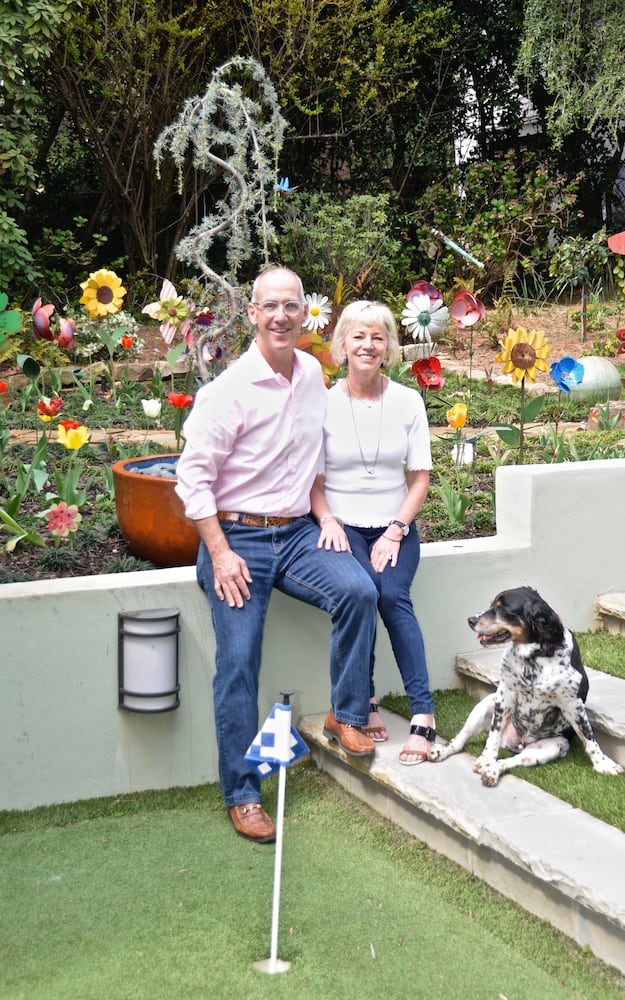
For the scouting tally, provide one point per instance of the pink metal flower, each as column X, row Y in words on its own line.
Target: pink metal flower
column 66, row 336
column 422, row 287
column 41, row 320
column 466, row 309
column 172, row 311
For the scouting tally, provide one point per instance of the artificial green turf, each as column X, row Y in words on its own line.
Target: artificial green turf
column 603, row 651
column 154, row 896
column 571, row 779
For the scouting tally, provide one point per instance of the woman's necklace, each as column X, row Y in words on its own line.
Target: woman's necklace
column 369, row 469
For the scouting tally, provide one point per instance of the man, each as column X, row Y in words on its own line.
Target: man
column 253, row 440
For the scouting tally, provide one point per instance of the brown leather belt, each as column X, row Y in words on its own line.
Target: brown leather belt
column 255, row 520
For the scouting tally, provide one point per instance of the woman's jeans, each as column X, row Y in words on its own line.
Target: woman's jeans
column 288, row 559
column 396, row 610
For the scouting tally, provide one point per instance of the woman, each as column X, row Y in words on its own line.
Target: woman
column 374, row 480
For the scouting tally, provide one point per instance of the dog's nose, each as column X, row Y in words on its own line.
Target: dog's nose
column 473, row 620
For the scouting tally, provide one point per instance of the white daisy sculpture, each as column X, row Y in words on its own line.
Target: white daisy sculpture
column 319, row 311
column 425, row 317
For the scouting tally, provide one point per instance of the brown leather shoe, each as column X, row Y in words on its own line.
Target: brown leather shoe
column 252, row 821
column 350, row 738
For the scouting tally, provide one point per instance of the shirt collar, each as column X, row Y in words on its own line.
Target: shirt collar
column 261, row 370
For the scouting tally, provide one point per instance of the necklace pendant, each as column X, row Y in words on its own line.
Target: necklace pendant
column 371, row 472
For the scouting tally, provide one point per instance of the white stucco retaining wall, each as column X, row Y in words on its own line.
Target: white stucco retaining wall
column 559, row 528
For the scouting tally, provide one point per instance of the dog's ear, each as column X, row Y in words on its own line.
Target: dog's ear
column 544, row 624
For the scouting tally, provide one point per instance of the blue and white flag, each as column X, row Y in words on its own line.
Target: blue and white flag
column 277, row 744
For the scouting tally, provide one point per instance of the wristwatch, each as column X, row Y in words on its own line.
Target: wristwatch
column 400, row 524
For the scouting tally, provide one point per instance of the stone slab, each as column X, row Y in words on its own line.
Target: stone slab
column 605, row 703
column 555, row 860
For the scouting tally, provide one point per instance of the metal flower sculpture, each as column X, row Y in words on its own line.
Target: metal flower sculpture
column 428, row 373
column 523, row 354
column 233, row 140
column 425, row 315
column 566, row 372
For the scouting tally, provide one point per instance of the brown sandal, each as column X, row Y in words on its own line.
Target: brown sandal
column 376, row 733
column 429, row 734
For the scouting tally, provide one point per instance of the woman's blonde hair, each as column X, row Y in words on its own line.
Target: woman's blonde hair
column 366, row 313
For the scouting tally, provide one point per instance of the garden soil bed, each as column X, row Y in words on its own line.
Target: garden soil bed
column 478, row 352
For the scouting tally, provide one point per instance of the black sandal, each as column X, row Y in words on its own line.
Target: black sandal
column 428, row 734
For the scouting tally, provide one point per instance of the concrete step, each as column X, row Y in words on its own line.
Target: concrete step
column 554, row 860
column 479, row 671
column 609, row 613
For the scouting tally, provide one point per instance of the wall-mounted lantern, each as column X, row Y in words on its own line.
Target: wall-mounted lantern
column 147, row 651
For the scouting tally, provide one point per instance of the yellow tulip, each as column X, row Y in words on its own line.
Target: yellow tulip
column 73, row 437
column 457, row 416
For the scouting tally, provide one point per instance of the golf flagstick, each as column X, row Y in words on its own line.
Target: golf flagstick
column 276, row 746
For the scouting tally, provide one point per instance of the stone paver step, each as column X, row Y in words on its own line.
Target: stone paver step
column 605, row 704
column 553, row 859
column 609, row 612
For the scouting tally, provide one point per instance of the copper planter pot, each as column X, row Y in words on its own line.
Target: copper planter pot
column 151, row 515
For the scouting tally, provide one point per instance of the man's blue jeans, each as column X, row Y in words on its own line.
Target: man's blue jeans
column 396, row 611
column 288, row 559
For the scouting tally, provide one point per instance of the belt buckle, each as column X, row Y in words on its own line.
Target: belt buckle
column 266, row 520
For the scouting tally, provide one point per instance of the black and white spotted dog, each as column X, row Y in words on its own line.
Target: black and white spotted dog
column 539, row 701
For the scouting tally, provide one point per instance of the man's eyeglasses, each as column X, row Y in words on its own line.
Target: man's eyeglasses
column 270, row 308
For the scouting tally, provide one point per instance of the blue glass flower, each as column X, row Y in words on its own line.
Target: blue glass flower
column 283, row 186
column 567, row 372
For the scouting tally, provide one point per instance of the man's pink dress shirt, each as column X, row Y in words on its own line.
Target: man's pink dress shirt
column 253, row 439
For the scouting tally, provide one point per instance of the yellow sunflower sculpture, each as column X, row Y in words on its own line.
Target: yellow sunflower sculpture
column 103, row 293
column 523, row 353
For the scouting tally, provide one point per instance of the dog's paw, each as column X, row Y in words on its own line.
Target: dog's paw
column 605, row 765
column 488, row 770
column 440, row 751
column 490, row 776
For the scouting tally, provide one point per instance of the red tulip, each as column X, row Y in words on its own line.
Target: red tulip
column 49, row 408
column 180, row 400
column 127, row 341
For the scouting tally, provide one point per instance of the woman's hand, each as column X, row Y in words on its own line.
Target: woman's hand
column 384, row 553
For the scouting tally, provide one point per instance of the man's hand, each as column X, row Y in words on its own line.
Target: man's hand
column 231, row 576
column 230, row 570
column 332, row 536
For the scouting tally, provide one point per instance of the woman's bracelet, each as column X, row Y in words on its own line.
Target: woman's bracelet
column 331, row 517
column 398, row 540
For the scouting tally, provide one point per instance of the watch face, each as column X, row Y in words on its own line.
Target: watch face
column 404, row 527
